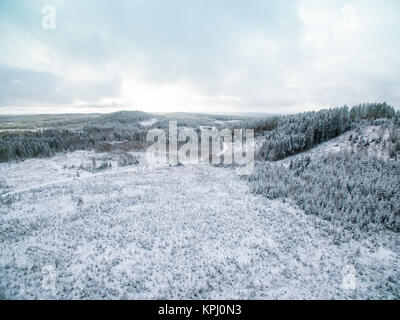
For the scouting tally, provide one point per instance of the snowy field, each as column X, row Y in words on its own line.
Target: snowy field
column 140, row 232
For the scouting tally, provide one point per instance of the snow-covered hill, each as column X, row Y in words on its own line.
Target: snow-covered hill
column 374, row 140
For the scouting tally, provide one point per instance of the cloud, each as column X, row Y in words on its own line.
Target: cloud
column 21, row 87
column 207, row 56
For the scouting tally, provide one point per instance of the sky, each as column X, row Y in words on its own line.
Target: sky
column 197, row 55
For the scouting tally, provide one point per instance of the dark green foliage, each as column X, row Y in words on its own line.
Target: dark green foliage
column 45, row 143
column 289, row 135
column 40, row 144
column 358, row 192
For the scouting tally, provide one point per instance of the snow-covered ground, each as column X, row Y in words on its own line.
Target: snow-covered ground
column 171, row 232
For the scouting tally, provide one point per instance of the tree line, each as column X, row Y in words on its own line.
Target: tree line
column 289, row 135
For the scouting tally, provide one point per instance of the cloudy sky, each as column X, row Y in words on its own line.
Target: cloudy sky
column 198, row 55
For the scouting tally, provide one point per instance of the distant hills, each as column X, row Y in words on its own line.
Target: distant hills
column 121, row 119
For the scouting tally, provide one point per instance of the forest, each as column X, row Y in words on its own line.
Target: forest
column 356, row 188
column 283, row 135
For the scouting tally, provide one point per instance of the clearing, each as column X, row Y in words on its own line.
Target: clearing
column 193, row 232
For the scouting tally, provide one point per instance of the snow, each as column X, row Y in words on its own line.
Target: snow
column 384, row 254
column 193, row 231
column 368, row 133
column 227, row 121
column 148, row 123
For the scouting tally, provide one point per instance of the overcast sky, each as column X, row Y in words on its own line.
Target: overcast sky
column 195, row 55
